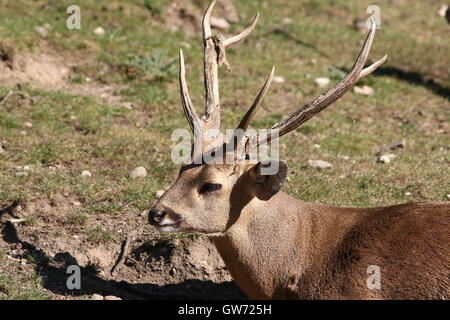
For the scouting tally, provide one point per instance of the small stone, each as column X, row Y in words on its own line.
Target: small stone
column 139, row 172
column 386, row 158
column 448, row 196
column 112, row 298
column 322, row 82
column 365, row 91
column 219, row 23
column 319, row 164
column 96, row 296
column 23, row 262
column 159, row 194
column 28, row 124
column 173, row 271
column 86, row 174
column 99, row 31
column 41, row 31
column 442, row 11
column 317, row 146
column 287, row 20
column 279, row 79
column 407, row 194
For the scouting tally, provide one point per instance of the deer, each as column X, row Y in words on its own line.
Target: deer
column 279, row 247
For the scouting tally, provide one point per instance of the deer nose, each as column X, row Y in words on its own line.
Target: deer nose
column 155, row 216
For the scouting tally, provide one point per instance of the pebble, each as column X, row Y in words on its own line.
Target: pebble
column 99, row 31
column 279, row 79
column 443, row 11
column 96, row 296
column 319, row 164
column 287, row 20
column 407, row 194
column 173, row 271
column 322, row 82
column 42, row 31
column 112, row 298
column 139, row 172
column 220, row 23
column 86, row 174
column 365, row 91
column 386, row 158
column 448, row 196
column 28, row 124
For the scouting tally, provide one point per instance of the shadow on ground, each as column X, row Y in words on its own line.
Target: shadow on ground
column 415, row 78
column 53, row 271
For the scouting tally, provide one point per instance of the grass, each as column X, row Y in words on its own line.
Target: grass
column 72, row 132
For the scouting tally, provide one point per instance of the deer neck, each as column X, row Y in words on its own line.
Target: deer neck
column 273, row 236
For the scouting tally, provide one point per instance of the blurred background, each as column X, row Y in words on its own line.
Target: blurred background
column 86, row 117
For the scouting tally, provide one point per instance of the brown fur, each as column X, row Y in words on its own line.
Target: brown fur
column 285, row 248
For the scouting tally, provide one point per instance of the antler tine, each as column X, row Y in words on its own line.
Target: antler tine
column 207, row 32
column 189, row 110
column 332, row 95
column 257, row 104
column 367, row 71
column 244, row 34
column 211, row 66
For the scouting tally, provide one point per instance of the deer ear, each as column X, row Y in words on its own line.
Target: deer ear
column 267, row 178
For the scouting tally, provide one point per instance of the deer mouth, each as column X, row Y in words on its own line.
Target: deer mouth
column 170, row 227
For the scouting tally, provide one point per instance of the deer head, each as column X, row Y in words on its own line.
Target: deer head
column 210, row 197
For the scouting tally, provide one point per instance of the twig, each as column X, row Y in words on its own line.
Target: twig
column 124, row 252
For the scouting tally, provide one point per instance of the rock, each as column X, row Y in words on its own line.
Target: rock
column 97, row 297
column 28, row 124
column 279, row 80
column 287, row 20
column 159, row 194
column 319, row 164
column 443, row 10
column 317, row 146
column 365, row 91
column 219, row 23
column 386, row 158
column 86, row 174
column 322, row 82
column 407, row 194
column 448, row 196
column 99, row 31
column 139, row 172
column 173, row 271
column 41, row 31
column 112, row 298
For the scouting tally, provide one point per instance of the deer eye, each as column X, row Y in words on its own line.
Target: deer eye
column 210, row 187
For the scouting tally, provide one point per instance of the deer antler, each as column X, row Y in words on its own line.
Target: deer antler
column 323, row 101
column 214, row 56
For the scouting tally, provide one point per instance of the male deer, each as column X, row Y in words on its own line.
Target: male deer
column 278, row 247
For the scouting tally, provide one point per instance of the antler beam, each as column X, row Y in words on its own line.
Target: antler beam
column 323, row 101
